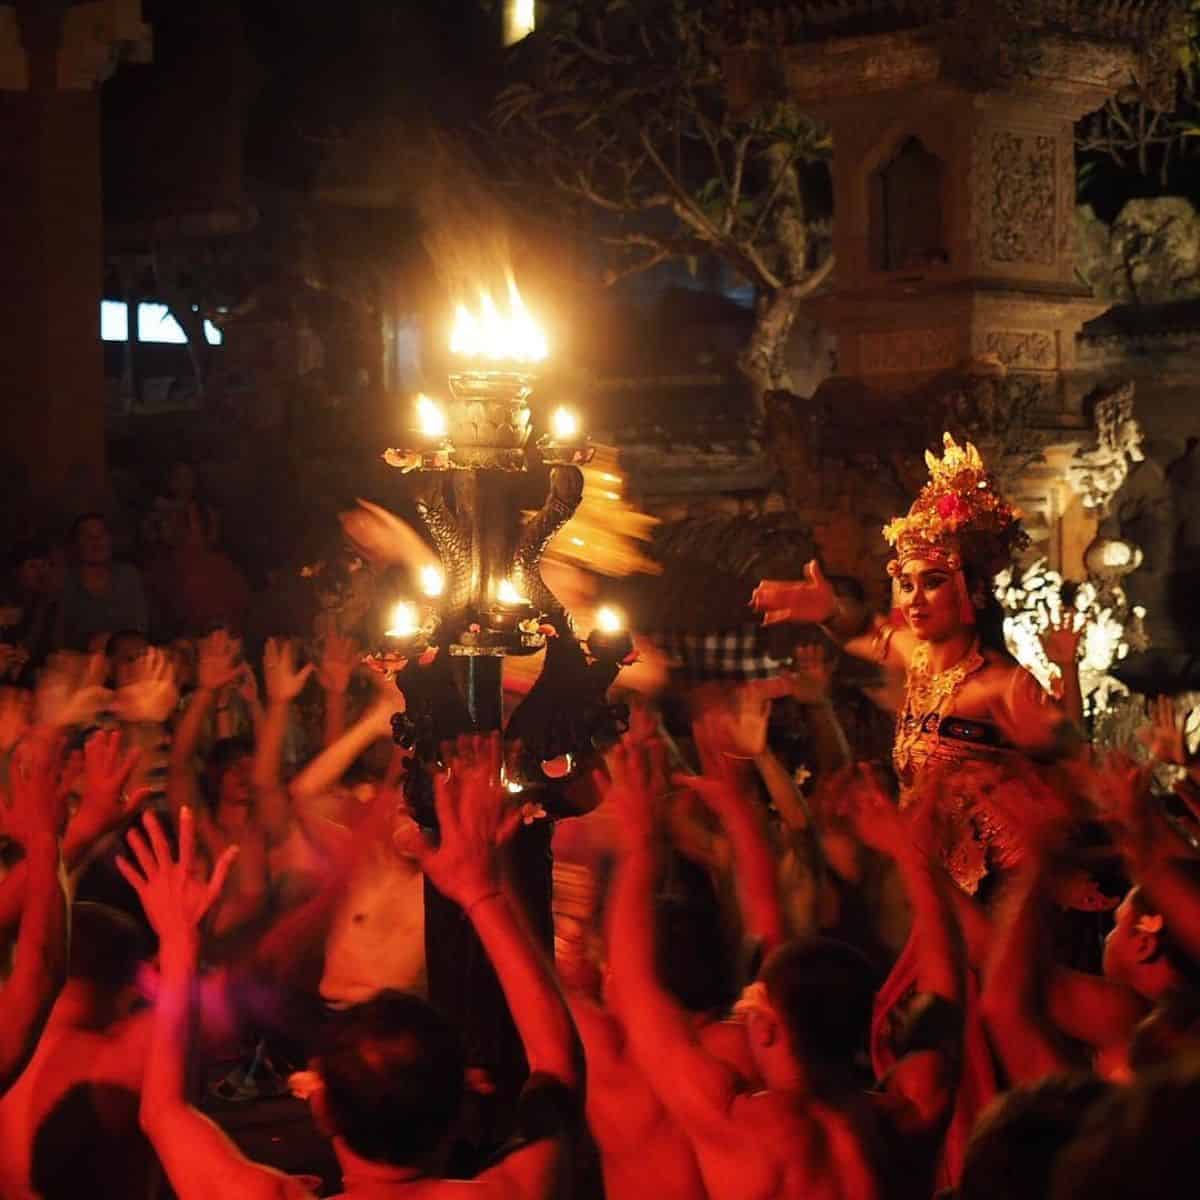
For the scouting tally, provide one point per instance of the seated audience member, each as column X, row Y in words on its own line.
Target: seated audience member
column 389, row 1083
column 99, row 595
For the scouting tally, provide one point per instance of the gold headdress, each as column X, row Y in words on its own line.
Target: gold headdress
column 959, row 517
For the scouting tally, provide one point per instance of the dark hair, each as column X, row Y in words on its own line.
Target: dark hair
column 393, row 1070
column 83, row 518
column 124, row 635
column 989, row 619
column 1135, row 1143
column 107, row 946
column 848, row 588
column 693, row 959
column 824, row 991
column 1014, row 1146
column 224, row 754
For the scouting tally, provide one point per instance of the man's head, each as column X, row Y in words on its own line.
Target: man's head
column 231, row 779
column 108, row 947
column 1018, row 1138
column 33, row 568
column 1138, row 1143
column 1140, row 952
column 392, row 1079
column 92, row 539
column 816, row 996
column 123, row 650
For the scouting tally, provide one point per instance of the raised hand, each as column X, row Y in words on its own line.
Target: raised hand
column 474, row 819
column 151, row 694
column 811, row 676
column 104, row 802
column 381, row 537
column 284, row 682
column 1163, row 734
column 174, row 897
column 1061, row 638
column 217, row 661
column 339, row 657
column 636, row 780
column 36, row 805
column 808, row 601
column 71, row 690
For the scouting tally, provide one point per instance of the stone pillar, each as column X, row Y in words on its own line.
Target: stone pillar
column 52, row 59
column 955, row 299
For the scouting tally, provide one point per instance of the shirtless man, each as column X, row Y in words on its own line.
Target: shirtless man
column 388, row 1085
column 812, row 1131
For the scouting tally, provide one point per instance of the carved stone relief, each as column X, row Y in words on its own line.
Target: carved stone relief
column 1031, row 350
column 1023, row 198
column 908, row 351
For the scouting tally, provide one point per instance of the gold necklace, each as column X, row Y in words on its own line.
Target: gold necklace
column 928, row 696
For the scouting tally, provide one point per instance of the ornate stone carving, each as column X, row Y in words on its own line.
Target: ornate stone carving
column 908, row 351
column 1024, row 198
column 1029, row 350
column 1098, row 471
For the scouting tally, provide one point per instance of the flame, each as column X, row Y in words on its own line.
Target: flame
column 564, row 424
column 507, row 593
column 514, row 338
column 430, row 419
column 609, row 620
column 405, row 620
column 433, row 582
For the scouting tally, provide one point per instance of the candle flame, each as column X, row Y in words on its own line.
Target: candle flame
column 405, row 620
column 564, row 424
column 492, row 335
column 430, row 419
column 507, row 593
column 609, row 620
column 433, row 582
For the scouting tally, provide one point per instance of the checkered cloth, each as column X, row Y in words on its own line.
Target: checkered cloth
column 739, row 654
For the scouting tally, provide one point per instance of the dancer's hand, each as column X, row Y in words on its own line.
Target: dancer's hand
column 809, row 601
column 1163, row 734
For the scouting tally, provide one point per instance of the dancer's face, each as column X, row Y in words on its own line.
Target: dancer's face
column 928, row 600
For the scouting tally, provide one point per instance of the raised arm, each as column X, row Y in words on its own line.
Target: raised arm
column 32, row 820
column 199, row 1159
column 693, row 1086
column 927, row 1076
column 474, row 821
column 726, row 787
column 284, row 683
column 216, row 669
column 339, row 657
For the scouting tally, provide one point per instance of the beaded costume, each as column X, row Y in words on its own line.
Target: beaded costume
column 958, row 519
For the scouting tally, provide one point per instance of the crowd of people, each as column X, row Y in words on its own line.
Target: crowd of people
column 783, row 964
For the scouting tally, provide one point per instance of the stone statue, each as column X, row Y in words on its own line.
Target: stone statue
column 1098, row 471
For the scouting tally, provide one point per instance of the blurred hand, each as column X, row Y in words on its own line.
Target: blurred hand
column 381, row 537
column 173, row 895
column 1163, row 734
column 217, row 660
column 339, row 657
column 104, row 802
column 874, row 814
column 71, row 691
column 151, row 693
column 808, row 601
column 475, row 817
column 811, row 676
column 36, row 805
column 284, row 682
column 636, row 781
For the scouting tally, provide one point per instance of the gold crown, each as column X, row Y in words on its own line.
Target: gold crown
column 959, row 516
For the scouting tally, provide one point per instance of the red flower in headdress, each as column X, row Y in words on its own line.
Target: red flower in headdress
column 952, row 508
